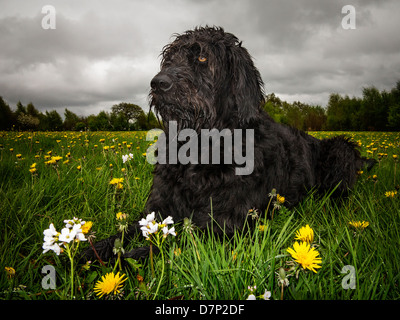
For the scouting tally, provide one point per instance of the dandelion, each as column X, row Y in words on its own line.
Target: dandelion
column 262, row 228
column 79, row 168
column 283, row 281
column 359, row 225
column 305, row 234
column 306, row 256
column 390, row 194
column 253, row 213
column 86, row 227
column 281, row 199
column 121, row 216
column 117, row 182
column 109, row 284
column 10, row 272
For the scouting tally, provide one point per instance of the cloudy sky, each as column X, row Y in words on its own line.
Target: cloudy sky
column 105, row 52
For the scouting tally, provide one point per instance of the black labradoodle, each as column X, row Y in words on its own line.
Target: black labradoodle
column 208, row 81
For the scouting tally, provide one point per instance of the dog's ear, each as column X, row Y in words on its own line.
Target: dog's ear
column 246, row 86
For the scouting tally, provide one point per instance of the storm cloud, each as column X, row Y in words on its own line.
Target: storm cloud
column 105, row 52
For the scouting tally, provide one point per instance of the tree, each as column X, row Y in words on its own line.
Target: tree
column 6, row 115
column 51, row 121
column 273, row 106
column 373, row 109
column 315, row 118
column 394, row 117
column 129, row 110
column 70, row 121
column 147, row 122
column 100, row 122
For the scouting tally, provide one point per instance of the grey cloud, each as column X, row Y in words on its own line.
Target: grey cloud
column 104, row 52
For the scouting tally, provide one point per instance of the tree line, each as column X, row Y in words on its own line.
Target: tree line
column 123, row 116
column 374, row 111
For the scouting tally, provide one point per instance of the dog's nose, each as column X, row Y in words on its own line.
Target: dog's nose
column 161, row 82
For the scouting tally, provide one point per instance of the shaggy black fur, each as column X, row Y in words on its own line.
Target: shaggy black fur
column 208, row 80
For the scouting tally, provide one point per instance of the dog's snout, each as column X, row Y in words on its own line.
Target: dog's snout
column 161, row 82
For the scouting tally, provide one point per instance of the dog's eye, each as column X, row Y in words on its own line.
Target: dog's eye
column 202, row 59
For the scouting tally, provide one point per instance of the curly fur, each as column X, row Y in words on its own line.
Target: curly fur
column 208, row 80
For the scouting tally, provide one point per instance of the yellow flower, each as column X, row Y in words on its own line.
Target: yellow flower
column 56, row 159
column 361, row 225
column 305, row 255
column 280, row 199
column 305, row 234
column 262, row 228
column 32, row 170
column 121, row 216
column 10, row 272
column 110, row 283
column 390, row 193
column 117, row 182
column 79, row 168
column 86, row 227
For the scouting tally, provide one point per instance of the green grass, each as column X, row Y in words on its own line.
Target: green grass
column 198, row 265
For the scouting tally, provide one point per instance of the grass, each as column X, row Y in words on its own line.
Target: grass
column 197, row 264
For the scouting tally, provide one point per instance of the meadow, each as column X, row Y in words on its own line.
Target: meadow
column 49, row 177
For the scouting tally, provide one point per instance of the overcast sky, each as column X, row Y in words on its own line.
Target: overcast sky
column 105, row 52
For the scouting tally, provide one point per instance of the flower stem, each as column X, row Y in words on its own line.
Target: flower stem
column 162, row 274
column 151, row 260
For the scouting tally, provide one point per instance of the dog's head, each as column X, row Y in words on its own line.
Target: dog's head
column 207, row 80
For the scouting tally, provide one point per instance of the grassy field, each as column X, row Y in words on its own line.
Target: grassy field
column 193, row 265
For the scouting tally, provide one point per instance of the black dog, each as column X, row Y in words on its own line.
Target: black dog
column 208, row 81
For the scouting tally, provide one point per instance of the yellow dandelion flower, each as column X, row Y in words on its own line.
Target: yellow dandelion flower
column 86, row 227
column 305, row 255
column 390, row 194
column 262, row 228
column 281, row 199
column 117, row 182
column 305, row 234
column 110, row 283
column 10, row 272
column 361, row 225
